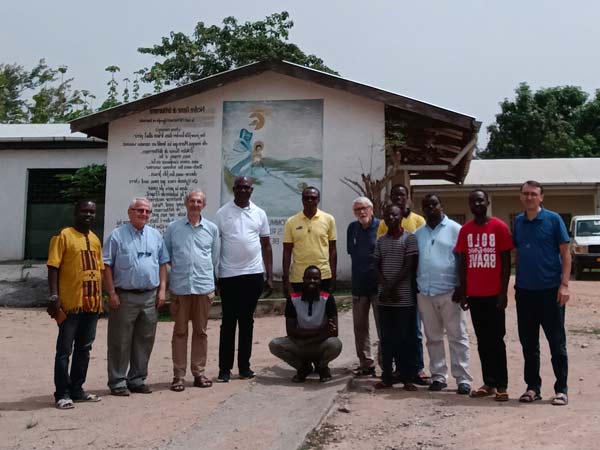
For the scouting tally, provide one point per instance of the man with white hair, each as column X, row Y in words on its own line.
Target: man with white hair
column 135, row 259
column 193, row 243
column 360, row 238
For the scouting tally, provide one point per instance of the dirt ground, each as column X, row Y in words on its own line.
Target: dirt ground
column 374, row 420
column 396, row 419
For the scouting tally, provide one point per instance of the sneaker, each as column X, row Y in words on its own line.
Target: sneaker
column 437, row 386
column 247, row 374
column 141, row 389
column 463, row 389
column 224, row 376
column 120, row 392
column 301, row 374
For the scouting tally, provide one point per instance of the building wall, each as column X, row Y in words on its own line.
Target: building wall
column 505, row 204
column 13, row 195
column 352, row 127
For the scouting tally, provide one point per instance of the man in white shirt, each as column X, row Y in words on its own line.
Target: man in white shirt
column 245, row 249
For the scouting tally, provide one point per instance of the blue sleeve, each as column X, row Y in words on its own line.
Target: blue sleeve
column 109, row 250
column 560, row 230
column 163, row 253
column 515, row 234
column 168, row 242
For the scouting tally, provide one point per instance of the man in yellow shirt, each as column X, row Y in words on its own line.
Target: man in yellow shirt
column 410, row 220
column 75, row 282
column 309, row 238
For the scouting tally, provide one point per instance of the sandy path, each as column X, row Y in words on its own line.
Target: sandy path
column 414, row 421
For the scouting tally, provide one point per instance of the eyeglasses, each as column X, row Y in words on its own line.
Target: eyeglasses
column 361, row 208
column 141, row 210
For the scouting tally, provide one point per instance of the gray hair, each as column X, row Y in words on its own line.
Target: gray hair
column 362, row 200
column 139, row 199
column 195, row 191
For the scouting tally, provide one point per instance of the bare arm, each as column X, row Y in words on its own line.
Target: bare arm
column 563, row 291
column 287, row 261
column 267, row 256
column 505, row 277
column 291, row 326
column 109, row 285
column 333, row 263
column 462, row 276
column 53, row 307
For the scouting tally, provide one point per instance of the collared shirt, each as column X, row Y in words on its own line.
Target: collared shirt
column 411, row 222
column 240, row 230
column 438, row 264
column 194, row 254
column 360, row 243
column 311, row 243
column 135, row 256
column 539, row 265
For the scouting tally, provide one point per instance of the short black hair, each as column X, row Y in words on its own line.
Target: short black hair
column 533, row 183
column 431, row 194
column 313, row 267
column 400, row 185
column 482, row 191
column 80, row 203
column 311, row 188
column 389, row 206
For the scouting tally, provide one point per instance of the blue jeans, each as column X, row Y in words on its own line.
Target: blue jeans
column 76, row 334
column 398, row 328
column 535, row 309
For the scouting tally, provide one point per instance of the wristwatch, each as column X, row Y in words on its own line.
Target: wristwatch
column 53, row 298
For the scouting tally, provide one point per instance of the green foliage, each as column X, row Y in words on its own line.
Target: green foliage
column 213, row 49
column 557, row 122
column 87, row 183
column 111, row 99
column 53, row 100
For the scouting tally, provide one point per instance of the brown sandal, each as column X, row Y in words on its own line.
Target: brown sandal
column 177, row 385
column 483, row 391
column 501, row 396
column 202, row 382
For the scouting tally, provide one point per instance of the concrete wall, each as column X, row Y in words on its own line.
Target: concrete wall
column 352, row 126
column 13, row 195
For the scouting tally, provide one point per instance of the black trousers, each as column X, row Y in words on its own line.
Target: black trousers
column 490, row 328
column 239, row 297
column 535, row 309
column 398, row 328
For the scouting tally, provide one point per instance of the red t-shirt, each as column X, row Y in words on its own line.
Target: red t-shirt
column 482, row 245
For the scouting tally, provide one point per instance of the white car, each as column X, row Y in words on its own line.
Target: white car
column 585, row 243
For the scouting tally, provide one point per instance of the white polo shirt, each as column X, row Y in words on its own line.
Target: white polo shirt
column 240, row 230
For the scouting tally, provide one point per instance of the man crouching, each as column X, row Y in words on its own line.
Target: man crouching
column 311, row 323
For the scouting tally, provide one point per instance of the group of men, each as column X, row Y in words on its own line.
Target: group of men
column 409, row 268
column 458, row 269
column 133, row 262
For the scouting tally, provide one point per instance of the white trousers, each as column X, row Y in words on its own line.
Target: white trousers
column 439, row 313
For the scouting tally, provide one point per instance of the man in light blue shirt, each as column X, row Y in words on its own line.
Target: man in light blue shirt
column 193, row 243
column 135, row 277
column 437, row 277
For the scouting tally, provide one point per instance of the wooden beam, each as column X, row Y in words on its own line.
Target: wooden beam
column 469, row 147
column 425, row 168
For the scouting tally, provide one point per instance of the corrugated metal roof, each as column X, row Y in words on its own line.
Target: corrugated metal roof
column 41, row 133
column 507, row 172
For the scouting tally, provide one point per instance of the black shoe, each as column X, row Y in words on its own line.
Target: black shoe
column 437, row 386
column 301, row 374
column 120, row 392
column 224, row 376
column 141, row 389
column 364, row 372
column 422, row 380
column 247, row 374
column 463, row 389
column 324, row 374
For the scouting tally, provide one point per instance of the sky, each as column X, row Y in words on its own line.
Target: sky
column 466, row 56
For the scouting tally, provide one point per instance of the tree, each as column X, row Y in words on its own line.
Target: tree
column 87, row 183
column 111, row 99
column 14, row 80
column 214, row 49
column 556, row 122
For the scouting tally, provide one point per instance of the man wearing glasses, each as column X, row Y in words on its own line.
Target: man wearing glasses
column 360, row 243
column 136, row 260
column 309, row 238
column 192, row 242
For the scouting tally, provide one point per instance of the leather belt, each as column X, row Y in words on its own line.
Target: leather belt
column 135, row 291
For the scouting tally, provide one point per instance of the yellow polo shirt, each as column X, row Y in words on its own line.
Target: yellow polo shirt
column 311, row 243
column 410, row 223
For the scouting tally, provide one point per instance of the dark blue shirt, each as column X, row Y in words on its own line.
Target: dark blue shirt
column 538, row 249
column 361, row 245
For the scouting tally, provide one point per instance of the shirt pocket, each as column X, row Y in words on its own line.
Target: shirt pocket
column 123, row 261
